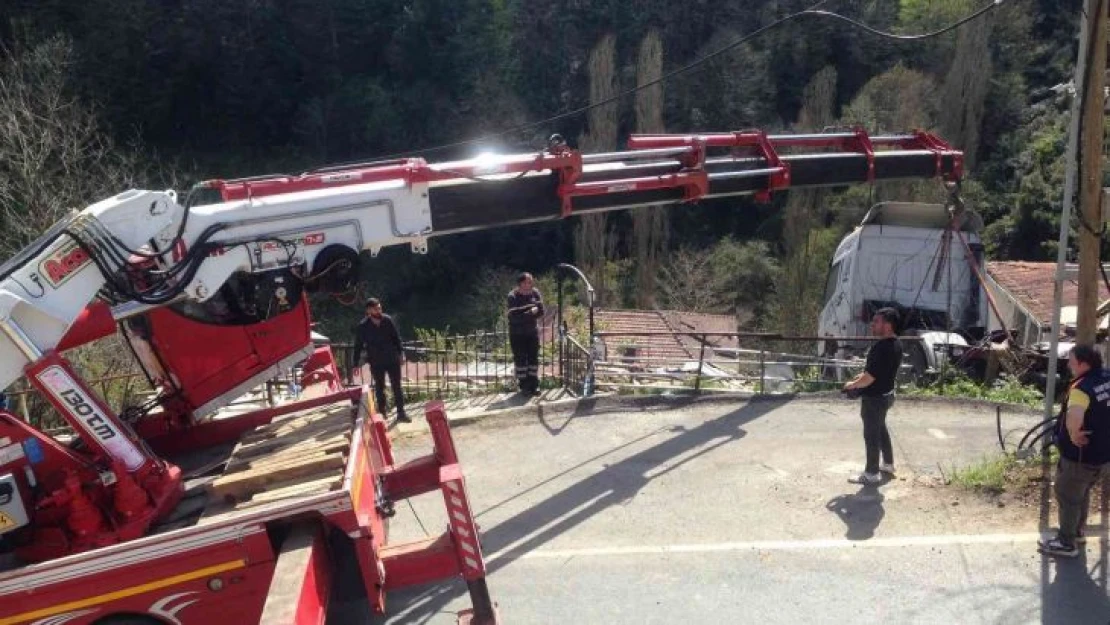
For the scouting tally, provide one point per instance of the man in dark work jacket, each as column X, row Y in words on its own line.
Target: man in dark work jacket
column 525, row 306
column 1083, row 437
column 876, row 388
column 378, row 334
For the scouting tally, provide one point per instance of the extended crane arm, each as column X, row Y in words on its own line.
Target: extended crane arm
column 144, row 249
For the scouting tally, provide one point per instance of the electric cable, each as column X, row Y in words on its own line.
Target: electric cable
column 812, row 11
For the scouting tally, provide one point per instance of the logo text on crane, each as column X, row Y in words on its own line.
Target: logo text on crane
column 89, row 416
column 61, row 265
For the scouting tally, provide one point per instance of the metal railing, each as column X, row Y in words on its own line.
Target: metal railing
column 749, row 362
column 440, row 366
column 576, row 368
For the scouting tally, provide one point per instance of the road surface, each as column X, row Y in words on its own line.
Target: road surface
column 742, row 513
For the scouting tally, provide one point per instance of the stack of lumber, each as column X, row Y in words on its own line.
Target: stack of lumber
column 301, row 454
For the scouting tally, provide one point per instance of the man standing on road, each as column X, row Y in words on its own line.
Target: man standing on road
column 525, row 306
column 876, row 389
column 378, row 334
column 1083, row 437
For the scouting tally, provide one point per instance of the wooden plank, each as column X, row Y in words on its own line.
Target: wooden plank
column 295, row 489
column 321, row 436
column 279, row 445
column 294, row 421
column 292, row 489
column 297, row 455
column 336, row 442
column 241, row 485
column 290, row 463
column 284, row 428
column 298, row 593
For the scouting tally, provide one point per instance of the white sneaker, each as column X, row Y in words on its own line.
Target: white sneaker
column 866, row 478
column 886, row 468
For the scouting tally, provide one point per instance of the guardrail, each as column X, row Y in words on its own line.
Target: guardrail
column 447, row 366
column 576, row 368
column 750, row 362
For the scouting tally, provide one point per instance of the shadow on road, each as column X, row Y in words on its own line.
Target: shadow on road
column 861, row 512
column 1077, row 593
column 1075, row 596
column 617, row 483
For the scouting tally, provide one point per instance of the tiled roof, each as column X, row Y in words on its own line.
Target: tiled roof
column 1032, row 285
column 658, row 347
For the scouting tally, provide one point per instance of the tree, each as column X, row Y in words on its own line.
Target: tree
column 686, row 282
column 964, row 94
column 729, row 277
column 803, row 271
column 54, row 157
column 750, row 274
column 649, row 225
column 592, row 243
column 795, row 312
column 899, row 100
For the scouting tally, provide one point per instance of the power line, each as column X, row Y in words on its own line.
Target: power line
column 810, row 12
column 886, row 35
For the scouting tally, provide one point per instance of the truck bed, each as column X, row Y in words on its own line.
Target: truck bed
column 296, row 456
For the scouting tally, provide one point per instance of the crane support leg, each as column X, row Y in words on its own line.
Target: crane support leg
column 458, row 551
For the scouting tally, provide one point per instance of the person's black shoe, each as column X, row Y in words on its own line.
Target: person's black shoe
column 1057, row 547
column 404, row 418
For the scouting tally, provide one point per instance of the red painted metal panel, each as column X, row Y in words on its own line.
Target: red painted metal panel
column 223, row 584
column 208, row 360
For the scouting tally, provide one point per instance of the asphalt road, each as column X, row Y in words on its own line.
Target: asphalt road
column 741, row 513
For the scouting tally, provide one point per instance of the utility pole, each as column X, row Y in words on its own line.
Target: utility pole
column 1089, row 27
column 1090, row 174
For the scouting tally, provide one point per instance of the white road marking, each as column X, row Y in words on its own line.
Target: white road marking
column 938, row 433
column 777, row 545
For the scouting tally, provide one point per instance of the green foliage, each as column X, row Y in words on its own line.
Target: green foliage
column 991, row 475
column 798, row 295
column 955, row 383
column 810, row 379
column 1028, row 230
column 998, row 473
column 730, row 277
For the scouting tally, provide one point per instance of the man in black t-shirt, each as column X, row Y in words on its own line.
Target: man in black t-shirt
column 876, row 389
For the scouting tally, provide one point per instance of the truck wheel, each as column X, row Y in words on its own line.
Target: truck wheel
column 915, row 355
column 830, row 371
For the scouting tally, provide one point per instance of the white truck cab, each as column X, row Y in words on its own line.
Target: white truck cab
column 903, row 255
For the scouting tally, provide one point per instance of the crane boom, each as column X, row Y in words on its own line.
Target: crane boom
column 143, row 249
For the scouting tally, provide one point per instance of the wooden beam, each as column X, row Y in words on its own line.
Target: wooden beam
column 300, row 586
column 1090, row 175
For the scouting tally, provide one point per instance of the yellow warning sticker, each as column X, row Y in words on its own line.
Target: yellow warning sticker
column 6, row 522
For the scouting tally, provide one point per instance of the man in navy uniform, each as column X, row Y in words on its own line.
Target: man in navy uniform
column 525, row 307
column 1083, row 437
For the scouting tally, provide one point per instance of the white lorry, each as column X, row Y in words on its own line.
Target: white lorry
column 912, row 257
